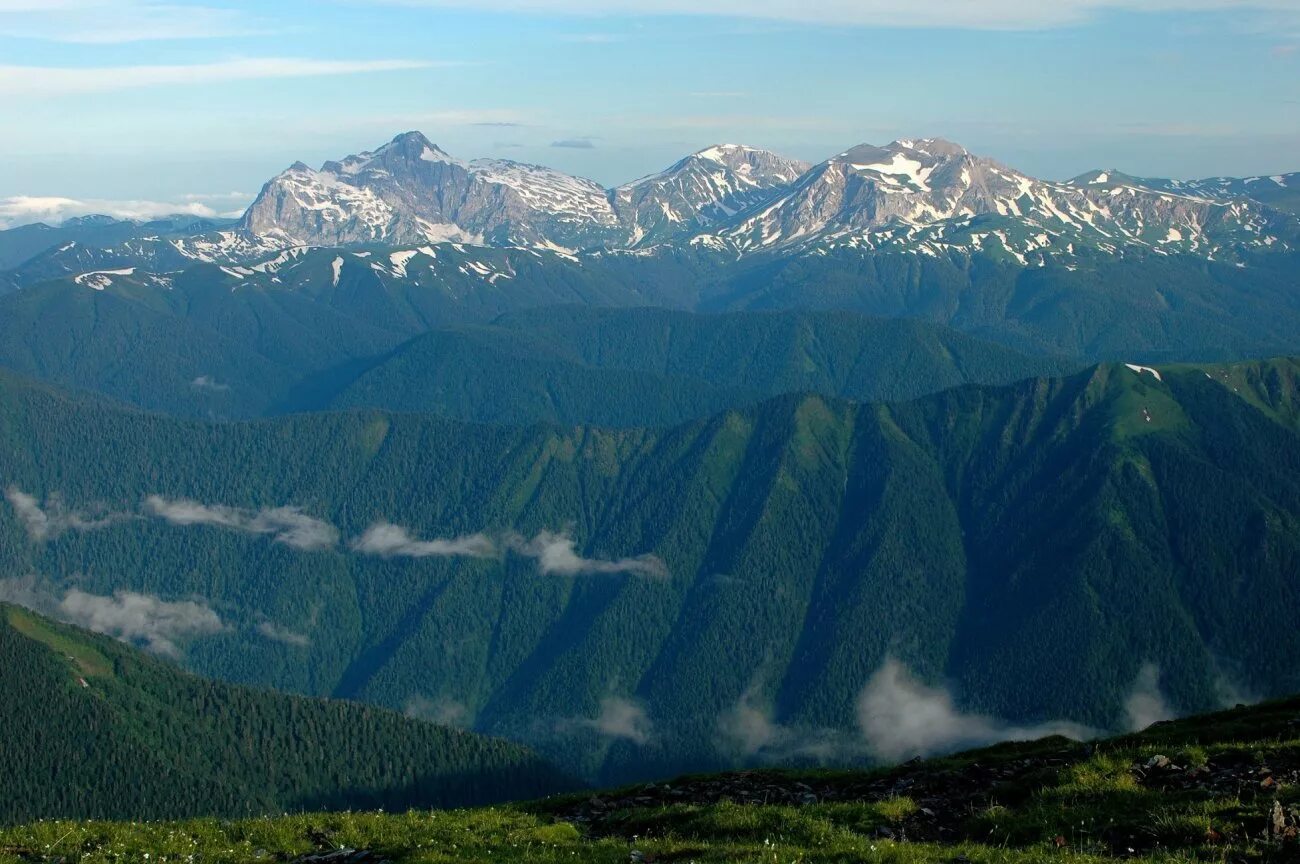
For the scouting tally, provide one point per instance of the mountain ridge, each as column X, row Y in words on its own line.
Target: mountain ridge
column 983, row 536
column 410, row 191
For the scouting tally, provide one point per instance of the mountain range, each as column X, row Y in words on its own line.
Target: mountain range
column 664, row 477
column 928, row 197
column 373, row 249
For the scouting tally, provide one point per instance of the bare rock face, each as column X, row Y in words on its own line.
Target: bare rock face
column 704, row 189
column 935, row 196
column 409, row 192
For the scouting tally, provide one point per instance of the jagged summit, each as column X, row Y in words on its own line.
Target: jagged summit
column 927, row 196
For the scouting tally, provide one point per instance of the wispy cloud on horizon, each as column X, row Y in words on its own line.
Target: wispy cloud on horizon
column 26, row 209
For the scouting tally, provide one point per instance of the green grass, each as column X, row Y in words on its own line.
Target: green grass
column 1052, row 800
column 88, row 661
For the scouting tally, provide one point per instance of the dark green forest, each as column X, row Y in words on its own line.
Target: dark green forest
column 1036, row 547
column 95, row 730
column 210, row 342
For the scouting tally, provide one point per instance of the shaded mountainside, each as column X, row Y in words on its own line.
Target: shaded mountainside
column 94, row 729
column 25, row 242
column 1049, row 548
column 639, row 367
column 309, row 312
column 1219, row 787
column 198, row 349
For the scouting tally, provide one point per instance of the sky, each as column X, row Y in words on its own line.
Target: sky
column 141, row 107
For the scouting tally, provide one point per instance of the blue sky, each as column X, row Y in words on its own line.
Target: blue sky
column 170, row 103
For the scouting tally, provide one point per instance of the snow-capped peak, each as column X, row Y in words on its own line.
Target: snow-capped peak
column 409, row 192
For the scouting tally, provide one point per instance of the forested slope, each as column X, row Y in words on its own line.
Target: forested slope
column 94, row 729
column 1046, row 549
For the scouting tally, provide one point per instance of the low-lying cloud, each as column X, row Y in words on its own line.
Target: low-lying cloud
column 557, row 553
column 900, row 717
column 140, row 619
column 444, row 712
column 280, row 633
column 54, row 518
column 619, row 719
column 207, row 382
column 748, row 730
column 622, row 719
column 388, row 541
column 554, row 552
column 1145, row 704
column 287, row 525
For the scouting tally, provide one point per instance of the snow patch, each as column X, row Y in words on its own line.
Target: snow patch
column 1140, row 369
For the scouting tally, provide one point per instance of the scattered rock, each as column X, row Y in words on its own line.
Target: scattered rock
column 343, row 856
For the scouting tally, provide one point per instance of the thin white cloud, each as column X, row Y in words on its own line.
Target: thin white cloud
column 26, row 209
column 556, row 553
column 141, row 619
column 278, row 633
column 44, row 81
column 444, row 712
column 207, row 382
column 959, row 14
column 287, row 525
column 393, row 541
column 619, row 719
column 104, row 22
column 54, row 518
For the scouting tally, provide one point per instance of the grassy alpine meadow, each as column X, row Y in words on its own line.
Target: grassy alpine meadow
column 1223, row 787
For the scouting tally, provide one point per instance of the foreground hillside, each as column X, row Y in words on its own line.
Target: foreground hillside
column 642, row 602
column 1224, row 787
column 94, row 729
